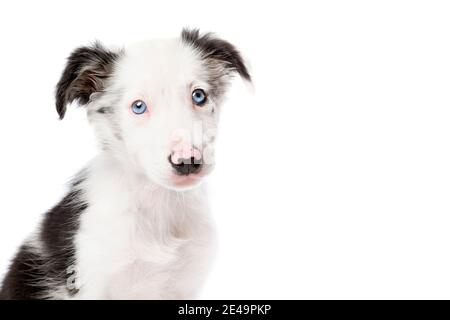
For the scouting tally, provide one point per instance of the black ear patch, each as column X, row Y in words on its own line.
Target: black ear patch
column 213, row 48
column 86, row 70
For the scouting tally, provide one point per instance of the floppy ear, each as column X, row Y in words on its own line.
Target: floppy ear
column 214, row 49
column 86, row 70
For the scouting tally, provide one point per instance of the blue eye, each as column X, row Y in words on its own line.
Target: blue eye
column 198, row 97
column 139, row 107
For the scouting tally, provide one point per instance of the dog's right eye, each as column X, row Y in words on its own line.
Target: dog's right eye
column 139, row 107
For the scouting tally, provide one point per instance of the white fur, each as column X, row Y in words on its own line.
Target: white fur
column 144, row 235
column 136, row 223
column 140, row 240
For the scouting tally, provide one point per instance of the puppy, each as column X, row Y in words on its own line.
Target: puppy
column 135, row 223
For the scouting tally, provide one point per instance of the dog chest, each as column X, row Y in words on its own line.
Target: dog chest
column 136, row 255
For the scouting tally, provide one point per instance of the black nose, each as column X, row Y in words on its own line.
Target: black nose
column 186, row 166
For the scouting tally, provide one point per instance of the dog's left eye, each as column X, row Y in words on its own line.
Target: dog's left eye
column 198, row 97
column 139, row 107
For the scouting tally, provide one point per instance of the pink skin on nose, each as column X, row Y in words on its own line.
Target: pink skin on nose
column 185, row 153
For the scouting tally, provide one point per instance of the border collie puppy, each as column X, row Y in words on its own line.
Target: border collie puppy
column 134, row 224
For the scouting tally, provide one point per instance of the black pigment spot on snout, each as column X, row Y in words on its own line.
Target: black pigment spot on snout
column 186, row 166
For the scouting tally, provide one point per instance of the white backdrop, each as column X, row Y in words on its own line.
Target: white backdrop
column 333, row 178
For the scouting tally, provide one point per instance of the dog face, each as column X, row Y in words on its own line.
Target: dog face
column 155, row 106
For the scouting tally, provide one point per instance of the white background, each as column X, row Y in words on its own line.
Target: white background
column 333, row 178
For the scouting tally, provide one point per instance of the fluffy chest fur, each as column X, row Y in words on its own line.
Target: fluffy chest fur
column 138, row 240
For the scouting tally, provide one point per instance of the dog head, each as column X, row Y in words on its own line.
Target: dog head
column 155, row 105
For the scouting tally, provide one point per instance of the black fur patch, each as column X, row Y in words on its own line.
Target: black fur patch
column 58, row 232
column 37, row 270
column 85, row 73
column 215, row 49
column 22, row 282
